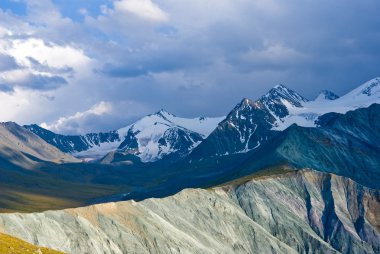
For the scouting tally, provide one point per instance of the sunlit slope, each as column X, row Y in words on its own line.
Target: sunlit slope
column 294, row 212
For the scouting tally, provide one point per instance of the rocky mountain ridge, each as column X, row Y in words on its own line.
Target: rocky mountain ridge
column 299, row 212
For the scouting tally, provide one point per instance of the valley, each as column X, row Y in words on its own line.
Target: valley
column 234, row 184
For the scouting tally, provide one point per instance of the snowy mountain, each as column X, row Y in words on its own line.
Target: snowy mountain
column 162, row 134
column 252, row 123
column 150, row 138
column 363, row 96
column 76, row 143
column 246, row 127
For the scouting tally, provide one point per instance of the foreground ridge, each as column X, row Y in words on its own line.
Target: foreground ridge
column 290, row 213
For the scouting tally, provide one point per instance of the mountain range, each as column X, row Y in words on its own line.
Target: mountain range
column 282, row 174
column 246, row 127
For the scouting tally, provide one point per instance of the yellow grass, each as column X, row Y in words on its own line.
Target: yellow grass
column 11, row 245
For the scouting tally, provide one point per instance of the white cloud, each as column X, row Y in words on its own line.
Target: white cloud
column 145, row 9
column 71, row 124
column 46, row 53
column 15, row 104
column 41, row 65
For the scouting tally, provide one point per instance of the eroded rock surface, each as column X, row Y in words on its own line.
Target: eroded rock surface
column 301, row 212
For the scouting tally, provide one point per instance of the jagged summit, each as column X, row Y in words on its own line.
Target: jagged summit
column 164, row 113
column 244, row 103
column 326, row 95
column 282, row 94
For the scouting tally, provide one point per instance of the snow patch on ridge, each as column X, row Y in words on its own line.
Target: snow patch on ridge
column 305, row 116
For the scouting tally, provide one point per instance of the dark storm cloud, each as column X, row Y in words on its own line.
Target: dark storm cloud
column 40, row 82
column 35, row 82
column 309, row 46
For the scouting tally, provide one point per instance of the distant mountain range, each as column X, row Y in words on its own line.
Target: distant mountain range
column 249, row 125
column 282, row 174
column 151, row 138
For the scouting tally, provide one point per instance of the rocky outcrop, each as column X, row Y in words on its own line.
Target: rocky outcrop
column 299, row 212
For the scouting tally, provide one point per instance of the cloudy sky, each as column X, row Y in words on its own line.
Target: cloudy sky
column 82, row 65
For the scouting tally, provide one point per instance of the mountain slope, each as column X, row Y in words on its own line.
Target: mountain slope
column 342, row 144
column 250, row 123
column 299, row 212
column 23, row 148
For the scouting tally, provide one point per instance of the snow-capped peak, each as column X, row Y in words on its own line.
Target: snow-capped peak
column 282, row 93
column 363, row 96
column 163, row 133
column 163, row 113
column 326, row 95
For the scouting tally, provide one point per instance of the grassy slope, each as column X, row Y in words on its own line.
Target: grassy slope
column 23, row 191
column 11, row 245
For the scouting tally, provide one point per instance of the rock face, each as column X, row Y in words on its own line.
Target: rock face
column 299, row 212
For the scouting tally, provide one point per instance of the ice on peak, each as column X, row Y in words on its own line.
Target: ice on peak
column 367, row 91
column 371, row 87
column 281, row 93
column 363, row 96
column 164, row 113
column 150, row 129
